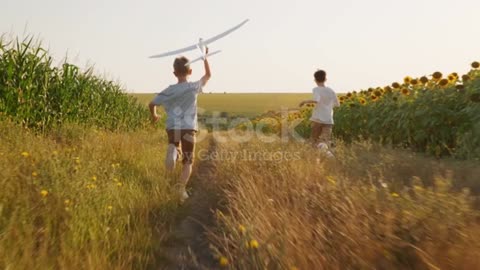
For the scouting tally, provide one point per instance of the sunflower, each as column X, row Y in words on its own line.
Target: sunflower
column 475, row 65
column 362, row 101
column 452, row 78
column 407, row 80
column 349, row 95
column 377, row 93
column 414, row 81
column 387, row 89
column 437, row 75
column 443, row 82
column 405, row 91
column 342, row 98
column 465, row 78
column 373, row 97
column 424, row 79
column 370, row 90
column 395, row 85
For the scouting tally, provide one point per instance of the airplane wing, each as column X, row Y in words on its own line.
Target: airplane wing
column 176, row 52
column 201, row 57
column 206, row 42
column 217, row 37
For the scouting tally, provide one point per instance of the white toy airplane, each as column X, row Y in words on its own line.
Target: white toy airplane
column 201, row 45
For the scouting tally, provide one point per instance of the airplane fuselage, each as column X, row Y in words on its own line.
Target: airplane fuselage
column 201, row 46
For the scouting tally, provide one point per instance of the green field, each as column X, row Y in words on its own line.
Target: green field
column 237, row 104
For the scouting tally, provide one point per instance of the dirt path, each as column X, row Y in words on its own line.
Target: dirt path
column 188, row 247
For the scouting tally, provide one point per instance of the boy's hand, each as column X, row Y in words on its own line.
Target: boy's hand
column 155, row 119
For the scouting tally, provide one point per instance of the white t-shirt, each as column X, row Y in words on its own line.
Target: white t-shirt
column 326, row 100
column 180, row 103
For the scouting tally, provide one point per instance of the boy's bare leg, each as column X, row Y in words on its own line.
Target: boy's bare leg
column 171, row 157
column 184, row 177
column 315, row 133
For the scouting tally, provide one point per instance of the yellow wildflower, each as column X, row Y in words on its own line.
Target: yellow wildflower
column 395, row 195
column 223, row 261
column 119, row 184
column 25, row 154
column 418, row 188
column 331, row 179
column 94, row 178
column 253, row 244
column 34, row 174
column 110, row 207
column 44, row 193
column 67, row 202
column 242, row 228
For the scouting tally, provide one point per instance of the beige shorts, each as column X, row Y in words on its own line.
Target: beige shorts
column 321, row 133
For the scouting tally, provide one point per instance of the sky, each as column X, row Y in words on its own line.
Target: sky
column 360, row 44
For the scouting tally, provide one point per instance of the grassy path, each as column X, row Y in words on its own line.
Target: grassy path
column 188, row 247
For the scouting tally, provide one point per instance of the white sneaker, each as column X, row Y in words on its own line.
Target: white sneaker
column 183, row 196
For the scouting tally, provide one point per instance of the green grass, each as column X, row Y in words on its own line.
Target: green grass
column 249, row 105
column 83, row 198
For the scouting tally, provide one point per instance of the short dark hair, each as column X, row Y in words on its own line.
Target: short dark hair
column 320, row 76
column 180, row 67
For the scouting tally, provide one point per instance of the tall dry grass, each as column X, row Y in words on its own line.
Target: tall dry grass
column 83, row 199
column 371, row 208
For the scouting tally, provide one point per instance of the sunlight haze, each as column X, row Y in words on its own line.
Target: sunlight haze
column 359, row 43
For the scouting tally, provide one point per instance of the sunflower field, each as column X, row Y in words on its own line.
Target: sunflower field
column 436, row 114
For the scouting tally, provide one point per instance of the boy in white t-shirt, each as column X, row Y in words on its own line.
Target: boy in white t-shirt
column 325, row 100
column 180, row 103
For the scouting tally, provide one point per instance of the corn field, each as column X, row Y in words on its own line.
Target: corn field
column 39, row 95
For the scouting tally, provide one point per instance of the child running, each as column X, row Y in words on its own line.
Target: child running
column 325, row 100
column 180, row 103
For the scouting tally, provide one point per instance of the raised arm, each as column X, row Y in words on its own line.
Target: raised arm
column 208, row 74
